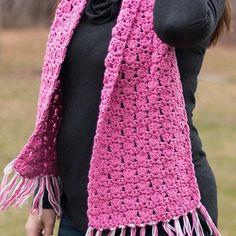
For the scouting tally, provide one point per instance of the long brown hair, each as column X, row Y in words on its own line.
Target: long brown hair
column 223, row 24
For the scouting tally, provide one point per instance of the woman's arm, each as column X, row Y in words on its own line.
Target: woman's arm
column 186, row 23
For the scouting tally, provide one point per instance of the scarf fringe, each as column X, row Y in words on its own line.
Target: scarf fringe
column 17, row 190
column 187, row 229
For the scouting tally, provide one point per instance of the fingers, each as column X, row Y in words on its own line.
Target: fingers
column 45, row 234
column 48, row 230
column 49, row 219
column 34, row 225
column 43, row 226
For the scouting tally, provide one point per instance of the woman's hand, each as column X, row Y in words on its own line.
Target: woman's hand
column 44, row 226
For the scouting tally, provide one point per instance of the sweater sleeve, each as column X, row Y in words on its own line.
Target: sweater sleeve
column 186, row 23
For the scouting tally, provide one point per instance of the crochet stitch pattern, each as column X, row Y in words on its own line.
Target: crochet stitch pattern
column 141, row 171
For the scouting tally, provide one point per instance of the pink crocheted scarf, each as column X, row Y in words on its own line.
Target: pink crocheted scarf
column 141, row 171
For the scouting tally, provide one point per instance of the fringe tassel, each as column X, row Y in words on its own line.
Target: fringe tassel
column 209, row 221
column 154, row 230
column 133, row 230
column 98, row 233
column 89, row 232
column 17, row 190
column 187, row 226
column 112, row 232
column 142, row 230
column 122, row 233
column 177, row 229
column 196, row 224
column 168, row 228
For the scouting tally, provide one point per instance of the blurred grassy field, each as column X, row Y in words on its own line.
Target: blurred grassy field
column 21, row 58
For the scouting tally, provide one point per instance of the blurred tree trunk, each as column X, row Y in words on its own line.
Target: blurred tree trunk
column 16, row 13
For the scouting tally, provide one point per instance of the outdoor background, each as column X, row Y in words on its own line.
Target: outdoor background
column 23, row 35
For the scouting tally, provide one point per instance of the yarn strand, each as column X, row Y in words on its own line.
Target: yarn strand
column 17, row 190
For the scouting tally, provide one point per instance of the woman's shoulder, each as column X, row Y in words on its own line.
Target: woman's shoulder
column 185, row 23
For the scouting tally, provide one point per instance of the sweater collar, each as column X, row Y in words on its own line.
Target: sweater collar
column 102, row 11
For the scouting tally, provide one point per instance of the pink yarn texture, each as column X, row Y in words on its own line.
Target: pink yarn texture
column 141, row 171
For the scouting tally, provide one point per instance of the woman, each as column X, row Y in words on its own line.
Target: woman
column 190, row 27
column 92, row 34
